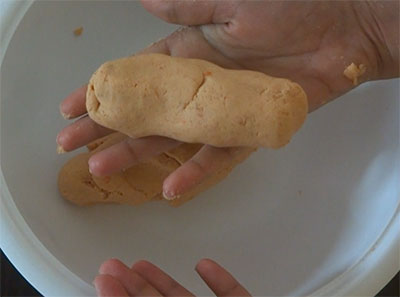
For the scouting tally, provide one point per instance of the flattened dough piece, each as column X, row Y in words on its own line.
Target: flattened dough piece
column 138, row 184
column 195, row 101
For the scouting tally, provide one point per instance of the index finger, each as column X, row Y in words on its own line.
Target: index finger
column 220, row 281
column 74, row 105
column 161, row 281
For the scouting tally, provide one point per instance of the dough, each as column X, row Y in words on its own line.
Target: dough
column 354, row 72
column 138, row 184
column 78, row 31
column 195, row 101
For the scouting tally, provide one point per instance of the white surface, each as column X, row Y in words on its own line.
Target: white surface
column 11, row 12
column 285, row 222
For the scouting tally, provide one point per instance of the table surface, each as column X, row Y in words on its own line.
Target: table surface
column 13, row 284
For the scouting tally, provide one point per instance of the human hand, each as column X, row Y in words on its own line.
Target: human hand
column 146, row 279
column 309, row 42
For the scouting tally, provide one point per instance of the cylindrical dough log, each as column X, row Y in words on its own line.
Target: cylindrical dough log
column 195, row 101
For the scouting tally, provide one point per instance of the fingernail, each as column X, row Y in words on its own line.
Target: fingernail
column 93, row 168
column 60, row 149
column 64, row 115
column 169, row 195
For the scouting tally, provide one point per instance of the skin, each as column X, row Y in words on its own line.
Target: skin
column 146, row 279
column 310, row 43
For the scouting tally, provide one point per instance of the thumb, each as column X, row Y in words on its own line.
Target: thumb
column 196, row 12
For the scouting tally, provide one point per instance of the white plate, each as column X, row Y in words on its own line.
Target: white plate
column 317, row 217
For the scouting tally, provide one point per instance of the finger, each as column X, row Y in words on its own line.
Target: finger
column 220, row 281
column 128, row 153
column 134, row 284
column 74, row 104
column 106, row 285
column 80, row 133
column 206, row 161
column 191, row 12
column 161, row 281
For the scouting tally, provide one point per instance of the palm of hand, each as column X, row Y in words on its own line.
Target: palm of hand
column 305, row 42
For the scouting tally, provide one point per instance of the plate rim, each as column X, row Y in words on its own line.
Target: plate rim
column 49, row 276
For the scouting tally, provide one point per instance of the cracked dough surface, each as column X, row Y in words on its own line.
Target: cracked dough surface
column 195, row 101
column 138, row 184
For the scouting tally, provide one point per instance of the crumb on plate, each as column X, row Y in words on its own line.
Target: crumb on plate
column 78, row 31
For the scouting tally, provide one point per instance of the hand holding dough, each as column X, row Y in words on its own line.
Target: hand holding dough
column 186, row 99
column 195, row 101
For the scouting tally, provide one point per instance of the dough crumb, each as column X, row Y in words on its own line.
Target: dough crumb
column 353, row 72
column 65, row 116
column 78, row 31
column 60, row 149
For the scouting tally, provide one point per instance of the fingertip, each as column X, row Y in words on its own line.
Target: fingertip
column 107, row 285
column 156, row 7
column 204, row 264
column 147, row 4
column 60, row 149
column 74, row 104
column 110, row 265
column 183, row 180
column 96, row 280
column 169, row 188
column 172, row 187
column 64, row 112
column 96, row 166
column 169, row 194
column 61, row 140
column 141, row 264
column 101, row 281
